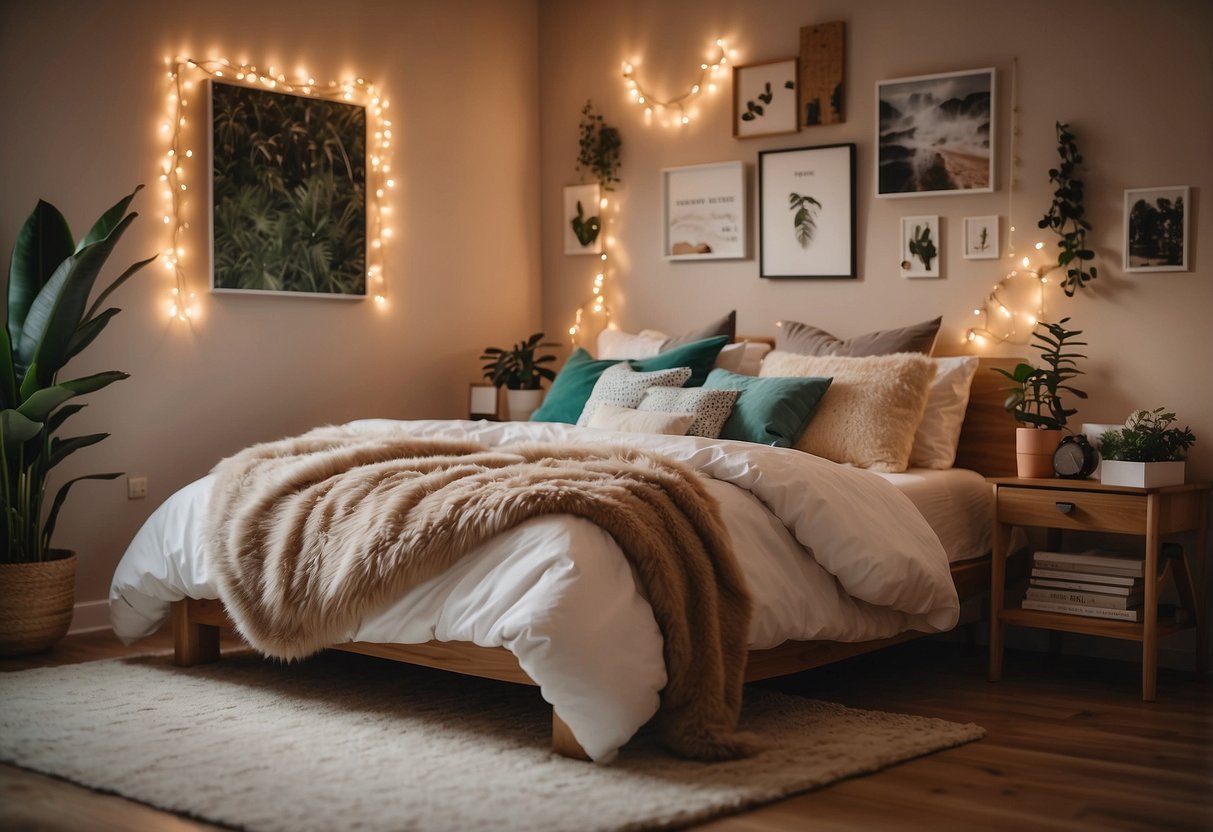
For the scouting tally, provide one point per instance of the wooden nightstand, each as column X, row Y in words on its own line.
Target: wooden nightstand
column 1086, row 505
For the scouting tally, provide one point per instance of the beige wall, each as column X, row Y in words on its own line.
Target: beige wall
column 82, row 89
column 1134, row 81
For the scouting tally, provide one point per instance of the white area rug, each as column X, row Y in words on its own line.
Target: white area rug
column 347, row 742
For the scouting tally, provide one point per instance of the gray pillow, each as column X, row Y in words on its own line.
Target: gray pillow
column 711, row 407
column 725, row 326
column 621, row 386
column 803, row 339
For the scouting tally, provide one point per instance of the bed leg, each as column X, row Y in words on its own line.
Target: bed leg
column 563, row 741
column 193, row 643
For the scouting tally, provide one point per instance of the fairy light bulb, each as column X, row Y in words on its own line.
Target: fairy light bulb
column 652, row 105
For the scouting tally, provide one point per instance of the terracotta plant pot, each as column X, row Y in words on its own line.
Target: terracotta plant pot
column 36, row 603
column 1034, row 452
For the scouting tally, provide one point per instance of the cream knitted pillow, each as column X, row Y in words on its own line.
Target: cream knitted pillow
column 870, row 413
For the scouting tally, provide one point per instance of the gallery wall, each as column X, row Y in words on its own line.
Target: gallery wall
column 1132, row 81
column 83, row 91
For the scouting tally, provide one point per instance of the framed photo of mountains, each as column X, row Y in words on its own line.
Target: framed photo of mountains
column 935, row 134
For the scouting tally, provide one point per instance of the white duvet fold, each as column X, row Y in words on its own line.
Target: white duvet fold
column 828, row 552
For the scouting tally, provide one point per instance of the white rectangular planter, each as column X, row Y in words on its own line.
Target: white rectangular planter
column 1141, row 474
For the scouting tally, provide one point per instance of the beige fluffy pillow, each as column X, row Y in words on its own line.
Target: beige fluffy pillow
column 871, row 411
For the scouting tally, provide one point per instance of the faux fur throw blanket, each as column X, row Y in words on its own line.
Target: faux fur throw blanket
column 307, row 536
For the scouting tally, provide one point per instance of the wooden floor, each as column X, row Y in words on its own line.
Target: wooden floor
column 1070, row 746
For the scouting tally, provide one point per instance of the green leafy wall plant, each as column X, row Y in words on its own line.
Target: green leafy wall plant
column 50, row 322
column 599, row 146
column 1066, row 215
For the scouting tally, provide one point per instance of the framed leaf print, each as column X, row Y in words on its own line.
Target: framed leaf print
column 806, row 212
column 288, row 193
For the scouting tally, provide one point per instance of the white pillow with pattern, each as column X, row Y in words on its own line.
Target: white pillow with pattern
column 712, row 408
column 622, row 386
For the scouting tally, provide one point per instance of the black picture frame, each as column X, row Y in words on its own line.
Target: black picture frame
column 807, row 232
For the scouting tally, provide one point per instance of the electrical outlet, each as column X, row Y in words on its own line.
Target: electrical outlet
column 136, row 488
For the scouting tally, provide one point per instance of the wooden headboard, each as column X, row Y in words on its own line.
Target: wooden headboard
column 987, row 437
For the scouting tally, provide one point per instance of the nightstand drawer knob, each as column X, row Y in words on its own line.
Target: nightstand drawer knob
column 1065, row 508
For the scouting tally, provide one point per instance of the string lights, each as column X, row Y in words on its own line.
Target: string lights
column 1017, row 302
column 596, row 305
column 677, row 106
column 184, row 75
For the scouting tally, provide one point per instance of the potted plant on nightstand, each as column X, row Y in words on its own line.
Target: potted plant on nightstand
column 1036, row 400
column 522, row 373
column 1147, row 452
column 49, row 322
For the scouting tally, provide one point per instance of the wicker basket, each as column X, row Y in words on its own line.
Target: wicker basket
column 36, row 601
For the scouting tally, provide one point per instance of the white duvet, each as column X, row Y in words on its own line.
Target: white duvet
column 828, row 551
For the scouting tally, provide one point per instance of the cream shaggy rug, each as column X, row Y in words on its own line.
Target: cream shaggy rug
column 348, row 742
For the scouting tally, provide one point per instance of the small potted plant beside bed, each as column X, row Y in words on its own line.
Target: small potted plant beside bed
column 1036, row 399
column 522, row 373
column 1147, row 452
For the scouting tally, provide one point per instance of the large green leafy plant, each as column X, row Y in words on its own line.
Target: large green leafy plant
column 50, row 321
column 1036, row 399
column 1148, row 437
column 519, row 368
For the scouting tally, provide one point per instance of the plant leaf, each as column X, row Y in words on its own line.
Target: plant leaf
column 62, row 448
column 39, row 406
column 16, row 429
column 53, row 516
column 118, row 281
column 43, row 242
column 107, row 222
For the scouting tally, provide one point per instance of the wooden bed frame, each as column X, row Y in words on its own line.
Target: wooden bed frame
column 987, row 445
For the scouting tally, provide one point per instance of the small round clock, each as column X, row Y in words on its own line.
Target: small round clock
column 1074, row 458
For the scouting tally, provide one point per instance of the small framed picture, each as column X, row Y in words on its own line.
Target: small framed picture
column 920, row 246
column 484, row 402
column 765, row 99
column 1156, row 229
column 806, row 212
column 582, row 220
column 704, row 212
column 935, row 134
column 981, row 238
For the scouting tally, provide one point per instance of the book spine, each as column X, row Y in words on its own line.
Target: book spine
column 1066, row 566
column 1106, row 589
column 1092, row 559
column 1086, row 599
column 1078, row 609
column 1068, row 575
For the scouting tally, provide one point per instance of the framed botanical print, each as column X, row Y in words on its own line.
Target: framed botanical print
column 806, row 212
column 288, row 193
column 765, row 99
column 920, row 246
column 582, row 220
column 935, row 134
column 981, row 238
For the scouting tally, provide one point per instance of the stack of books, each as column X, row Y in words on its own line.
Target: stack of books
column 1095, row 584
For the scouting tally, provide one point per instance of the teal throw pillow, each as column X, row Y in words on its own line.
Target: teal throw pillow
column 575, row 382
column 770, row 410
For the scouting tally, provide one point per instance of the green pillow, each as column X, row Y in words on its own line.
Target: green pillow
column 573, row 386
column 770, row 410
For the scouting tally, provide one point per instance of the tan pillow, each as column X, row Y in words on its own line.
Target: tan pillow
column 629, row 420
column 870, row 413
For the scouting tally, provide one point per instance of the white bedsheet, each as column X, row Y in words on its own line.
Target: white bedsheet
column 828, row 552
column 958, row 505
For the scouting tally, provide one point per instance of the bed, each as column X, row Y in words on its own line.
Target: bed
column 572, row 622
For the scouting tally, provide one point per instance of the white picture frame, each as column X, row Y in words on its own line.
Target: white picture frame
column 962, row 140
column 806, row 212
column 981, row 238
column 704, row 212
column 766, row 98
column 1149, row 244
column 589, row 198
column 915, row 264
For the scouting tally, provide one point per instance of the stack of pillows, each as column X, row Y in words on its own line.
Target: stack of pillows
column 877, row 401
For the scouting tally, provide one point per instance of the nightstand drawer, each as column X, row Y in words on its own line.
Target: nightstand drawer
column 1072, row 509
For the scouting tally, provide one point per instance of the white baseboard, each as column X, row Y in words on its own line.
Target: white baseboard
column 90, row 615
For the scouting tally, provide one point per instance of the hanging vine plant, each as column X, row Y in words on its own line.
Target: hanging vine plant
column 599, row 148
column 1065, row 215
